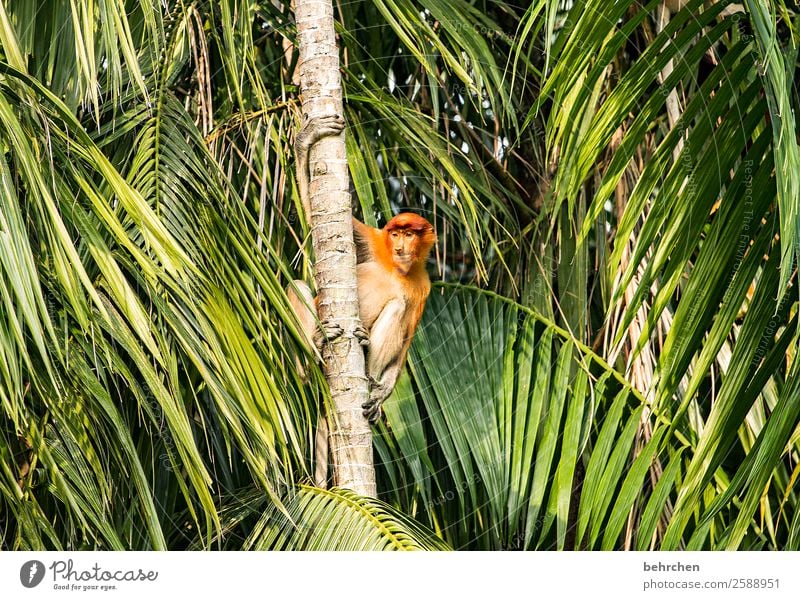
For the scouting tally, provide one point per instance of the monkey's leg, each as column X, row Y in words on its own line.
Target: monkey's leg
column 310, row 133
column 385, row 358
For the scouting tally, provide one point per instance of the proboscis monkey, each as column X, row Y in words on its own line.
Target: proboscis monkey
column 393, row 283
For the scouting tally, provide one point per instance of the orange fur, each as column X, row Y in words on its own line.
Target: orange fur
column 393, row 286
column 374, row 246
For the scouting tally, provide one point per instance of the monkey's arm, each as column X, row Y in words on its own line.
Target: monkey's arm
column 314, row 331
column 364, row 238
column 387, row 352
column 304, row 305
column 311, row 132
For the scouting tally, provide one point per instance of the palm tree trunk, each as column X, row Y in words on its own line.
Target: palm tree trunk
column 332, row 240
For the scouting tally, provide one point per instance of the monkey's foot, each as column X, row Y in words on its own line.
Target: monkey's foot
column 362, row 335
column 317, row 128
column 372, row 407
column 372, row 410
column 326, row 331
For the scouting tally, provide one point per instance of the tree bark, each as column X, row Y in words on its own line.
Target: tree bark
column 332, row 240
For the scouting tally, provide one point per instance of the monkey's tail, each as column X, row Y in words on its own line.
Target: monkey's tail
column 321, row 454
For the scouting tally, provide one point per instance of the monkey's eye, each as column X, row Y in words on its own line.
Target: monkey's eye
column 409, row 233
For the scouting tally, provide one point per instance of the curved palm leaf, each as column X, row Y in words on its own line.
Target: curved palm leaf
column 507, row 405
column 316, row 519
column 701, row 225
column 508, row 434
column 145, row 312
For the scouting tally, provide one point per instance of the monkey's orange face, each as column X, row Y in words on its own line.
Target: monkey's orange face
column 404, row 244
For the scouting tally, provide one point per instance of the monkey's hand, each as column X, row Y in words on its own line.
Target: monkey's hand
column 377, row 394
column 362, row 335
column 326, row 331
column 313, row 130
